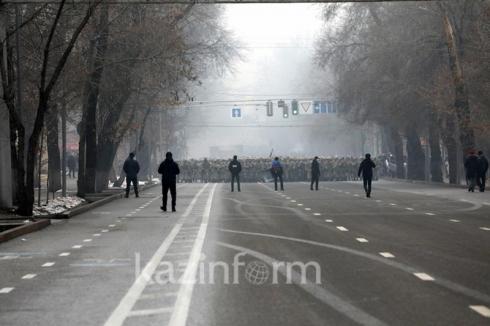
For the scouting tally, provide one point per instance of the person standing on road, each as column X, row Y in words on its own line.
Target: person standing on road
column 482, row 171
column 315, row 173
column 169, row 171
column 276, row 171
column 471, row 166
column 235, row 167
column 366, row 169
column 131, row 168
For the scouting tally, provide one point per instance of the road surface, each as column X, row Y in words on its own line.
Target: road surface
column 412, row 254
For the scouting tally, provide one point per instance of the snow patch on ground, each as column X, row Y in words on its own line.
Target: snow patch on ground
column 58, row 205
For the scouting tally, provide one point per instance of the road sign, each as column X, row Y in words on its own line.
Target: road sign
column 236, row 112
column 305, row 107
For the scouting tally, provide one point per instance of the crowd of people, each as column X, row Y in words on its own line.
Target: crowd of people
column 258, row 169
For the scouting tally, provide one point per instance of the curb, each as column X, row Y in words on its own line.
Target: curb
column 430, row 183
column 24, row 229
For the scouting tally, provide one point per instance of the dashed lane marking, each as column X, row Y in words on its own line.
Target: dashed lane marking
column 430, row 214
column 454, row 221
column 148, row 312
column 484, row 228
column 48, row 264
column 300, row 204
column 307, row 209
column 112, row 225
column 6, row 290
column 343, row 229
column 387, row 254
column 379, row 201
column 392, row 204
column 96, row 234
column 77, row 246
column 482, row 310
column 64, row 254
column 87, row 240
column 424, row 276
column 317, row 214
column 104, row 231
column 329, row 221
column 356, row 195
column 293, row 201
column 29, row 276
column 409, row 208
column 362, row 240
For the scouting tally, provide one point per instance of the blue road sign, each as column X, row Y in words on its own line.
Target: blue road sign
column 236, row 112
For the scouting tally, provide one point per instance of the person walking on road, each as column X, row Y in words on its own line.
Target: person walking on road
column 169, row 171
column 471, row 166
column 71, row 163
column 482, row 171
column 235, row 168
column 315, row 173
column 366, row 169
column 131, row 168
column 276, row 171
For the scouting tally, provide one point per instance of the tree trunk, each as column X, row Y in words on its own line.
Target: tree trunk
column 447, row 128
column 415, row 156
column 92, row 101
column 435, row 150
column 106, row 152
column 461, row 103
column 398, row 153
column 54, row 159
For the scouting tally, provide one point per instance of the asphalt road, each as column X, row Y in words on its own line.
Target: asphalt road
column 411, row 255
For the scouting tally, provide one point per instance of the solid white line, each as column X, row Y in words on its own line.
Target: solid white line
column 482, row 310
column 362, row 240
column 29, row 276
column 6, row 290
column 121, row 312
column 77, row 246
column 182, row 304
column 48, row 264
column 430, row 214
column 341, row 228
column 146, row 312
column 387, row 254
column 424, row 277
column 64, row 254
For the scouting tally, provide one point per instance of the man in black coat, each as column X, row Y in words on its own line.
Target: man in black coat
column 366, row 168
column 315, row 173
column 169, row 171
column 131, row 168
column 482, row 171
column 471, row 166
column 235, row 168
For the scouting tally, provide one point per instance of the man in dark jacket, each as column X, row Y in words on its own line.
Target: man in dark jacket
column 235, row 168
column 366, row 169
column 169, row 171
column 471, row 166
column 276, row 171
column 315, row 173
column 482, row 171
column 131, row 168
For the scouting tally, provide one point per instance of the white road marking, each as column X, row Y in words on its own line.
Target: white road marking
column 77, row 246
column 424, row 276
column 87, row 240
column 104, row 231
column 300, row 204
column 379, row 200
column 64, row 254
column 485, row 203
column 387, row 254
column 182, row 304
column 307, row 209
column 348, row 193
column 329, row 221
column 482, row 310
column 126, row 304
column 343, row 229
column 29, row 276
column 317, row 214
column 48, row 264
column 96, row 234
column 6, row 290
column 362, row 240
column 455, row 221
column 147, row 312
column 112, row 225
column 392, row 204
column 293, row 201
column 430, row 214
column 409, row 208
column 484, row 228
column 288, row 197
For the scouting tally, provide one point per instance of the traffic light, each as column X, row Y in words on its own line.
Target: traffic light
column 285, row 112
column 270, row 108
column 294, row 107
